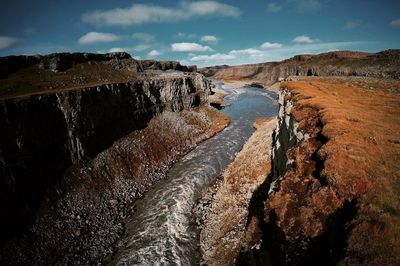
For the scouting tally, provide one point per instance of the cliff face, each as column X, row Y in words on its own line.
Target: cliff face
column 330, row 196
column 222, row 210
column 42, row 135
column 342, row 63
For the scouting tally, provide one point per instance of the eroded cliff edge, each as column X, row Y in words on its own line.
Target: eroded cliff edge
column 332, row 196
column 222, row 210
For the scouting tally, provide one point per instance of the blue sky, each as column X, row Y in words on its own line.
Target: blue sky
column 199, row 32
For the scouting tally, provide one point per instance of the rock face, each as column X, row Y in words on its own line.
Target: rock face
column 83, row 216
column 222, row 211
column 165, row 65
column 342, row 63
column 330, row 198
column 42, row 135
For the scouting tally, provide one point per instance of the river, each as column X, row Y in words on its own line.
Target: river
column 162, row 230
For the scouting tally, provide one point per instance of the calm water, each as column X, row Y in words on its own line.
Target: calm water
column 162, row 231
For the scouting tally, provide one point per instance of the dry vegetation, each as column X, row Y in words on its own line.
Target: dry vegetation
column 223, row 232
column 35, row 80
column 361, row 162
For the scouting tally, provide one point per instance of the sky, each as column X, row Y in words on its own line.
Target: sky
column 203, row 33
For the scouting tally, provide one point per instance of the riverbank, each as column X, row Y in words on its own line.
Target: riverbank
column 84, row 216
column 162, row 231
column 221, row 212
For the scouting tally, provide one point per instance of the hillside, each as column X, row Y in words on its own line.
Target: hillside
column 385, row 64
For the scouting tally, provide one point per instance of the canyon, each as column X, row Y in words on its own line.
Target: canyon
column 329, row 197
column 63, row 189
column 98, row 151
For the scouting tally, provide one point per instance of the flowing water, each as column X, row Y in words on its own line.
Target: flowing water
column 162, row 231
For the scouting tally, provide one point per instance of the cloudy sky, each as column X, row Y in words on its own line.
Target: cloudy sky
column 199, row 32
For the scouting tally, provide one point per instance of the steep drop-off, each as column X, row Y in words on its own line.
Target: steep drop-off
column 42, row 135
column 222, row 210
column 332, row 196
column 82, row 218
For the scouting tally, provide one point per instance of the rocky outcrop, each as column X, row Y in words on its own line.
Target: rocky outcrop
column 323, row 203
column 165, row 65
column 384, row 64
column 297, row 182
column 42, row 135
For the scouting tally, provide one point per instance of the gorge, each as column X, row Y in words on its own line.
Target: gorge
column 103, row 159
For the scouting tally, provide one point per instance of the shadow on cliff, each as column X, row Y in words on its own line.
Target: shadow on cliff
column 327, row 249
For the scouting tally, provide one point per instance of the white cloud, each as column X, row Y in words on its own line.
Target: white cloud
column 189, row 47
column 277, row 54
column 153, row 53
column 303, row 6
column 209, row 39
column 144, row 13
column 273, row 7
column 96, row 37
column 271, row 45
column 352, row 24
column 144, row 37
column 395, row 23
column 248, row 52
column 303, row 39
column 141, row 47
column 202, row 8
column 7, row 42
column 116, row 50
column 137, row 48
column 212, row 58
column 332, row 50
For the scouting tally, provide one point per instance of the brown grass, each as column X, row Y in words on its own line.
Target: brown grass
column 361, row 120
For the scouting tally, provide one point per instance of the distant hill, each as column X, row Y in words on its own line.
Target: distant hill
column 385, row 64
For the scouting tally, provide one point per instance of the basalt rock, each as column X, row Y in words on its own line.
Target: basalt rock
column 43, row 135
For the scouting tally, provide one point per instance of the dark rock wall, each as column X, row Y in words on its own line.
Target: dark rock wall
column 33, row 155
column 43, row 135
